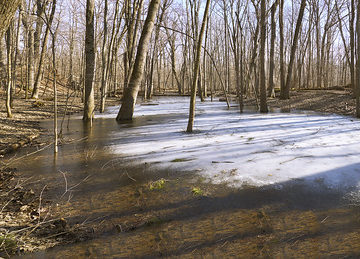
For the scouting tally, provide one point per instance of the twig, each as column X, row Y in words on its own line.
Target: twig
column 30, row 154
column 130, row 176
column 40, row 199
column 71, row 188
column 286, row 161
column 324, row 219
column 6, row 204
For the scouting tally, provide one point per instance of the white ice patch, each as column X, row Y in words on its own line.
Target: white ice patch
column 257, row 149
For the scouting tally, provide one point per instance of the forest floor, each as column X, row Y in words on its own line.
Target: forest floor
column 327, row 101
column 20, row 203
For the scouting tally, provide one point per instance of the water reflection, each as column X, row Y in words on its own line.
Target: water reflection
column 112, row 195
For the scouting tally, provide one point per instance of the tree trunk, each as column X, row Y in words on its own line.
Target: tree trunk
column 196, row 70
column 103, row 88
column 272, row 49
column 54, row 35
column 9, row 72
column 285, row 92
column 281, row 35
column 352, row 48
column 7, row 11
column 89, row 103
column 130, row 93
column 263, row 103
column 171, row 40
column 358, row 61
column 40, row 8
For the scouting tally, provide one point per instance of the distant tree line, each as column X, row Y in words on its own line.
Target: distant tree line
column 258, row 48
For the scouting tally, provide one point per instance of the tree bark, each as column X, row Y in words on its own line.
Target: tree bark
column 30, row 72
column 358, row 61
column 104, row 61
column 263, row 103
column 89, row 103
column 281, row 35
column 352, row 47
column 9, row 72
column 130, row 93
column 7, row 11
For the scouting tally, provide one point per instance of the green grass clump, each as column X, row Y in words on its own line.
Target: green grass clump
column 197, row 191
column 157, row 185
column 8, row 244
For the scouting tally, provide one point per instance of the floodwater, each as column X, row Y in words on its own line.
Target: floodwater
column 182, row 214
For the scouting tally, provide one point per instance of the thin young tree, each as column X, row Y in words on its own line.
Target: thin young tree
column 126, row 111
column 352, row 47
column 9, row 72
column 281, row 46
column 196, row 69
column 35, row 93
column 272, row 49
column 285, row 92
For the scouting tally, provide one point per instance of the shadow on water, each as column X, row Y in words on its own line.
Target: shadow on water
column 130, row 219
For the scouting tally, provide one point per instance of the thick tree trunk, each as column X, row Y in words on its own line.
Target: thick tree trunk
column 263, row 103
column 130, row 93
column 196, row 70
column 7, row 11
column 358, row 62
column 89, row 103
column 40, row 8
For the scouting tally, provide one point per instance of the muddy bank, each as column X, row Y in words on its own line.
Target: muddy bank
column 27, row 222
column 328, row 101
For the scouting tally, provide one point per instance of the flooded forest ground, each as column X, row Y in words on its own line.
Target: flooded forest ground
column 133, row 217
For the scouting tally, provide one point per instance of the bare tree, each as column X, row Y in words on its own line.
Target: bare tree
column 35, row 93
column 196, row 69
column 9, row 72
column 272, row 49
column 130, row 93
column 89, row 104
column 263, row 104
column 285, row 92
